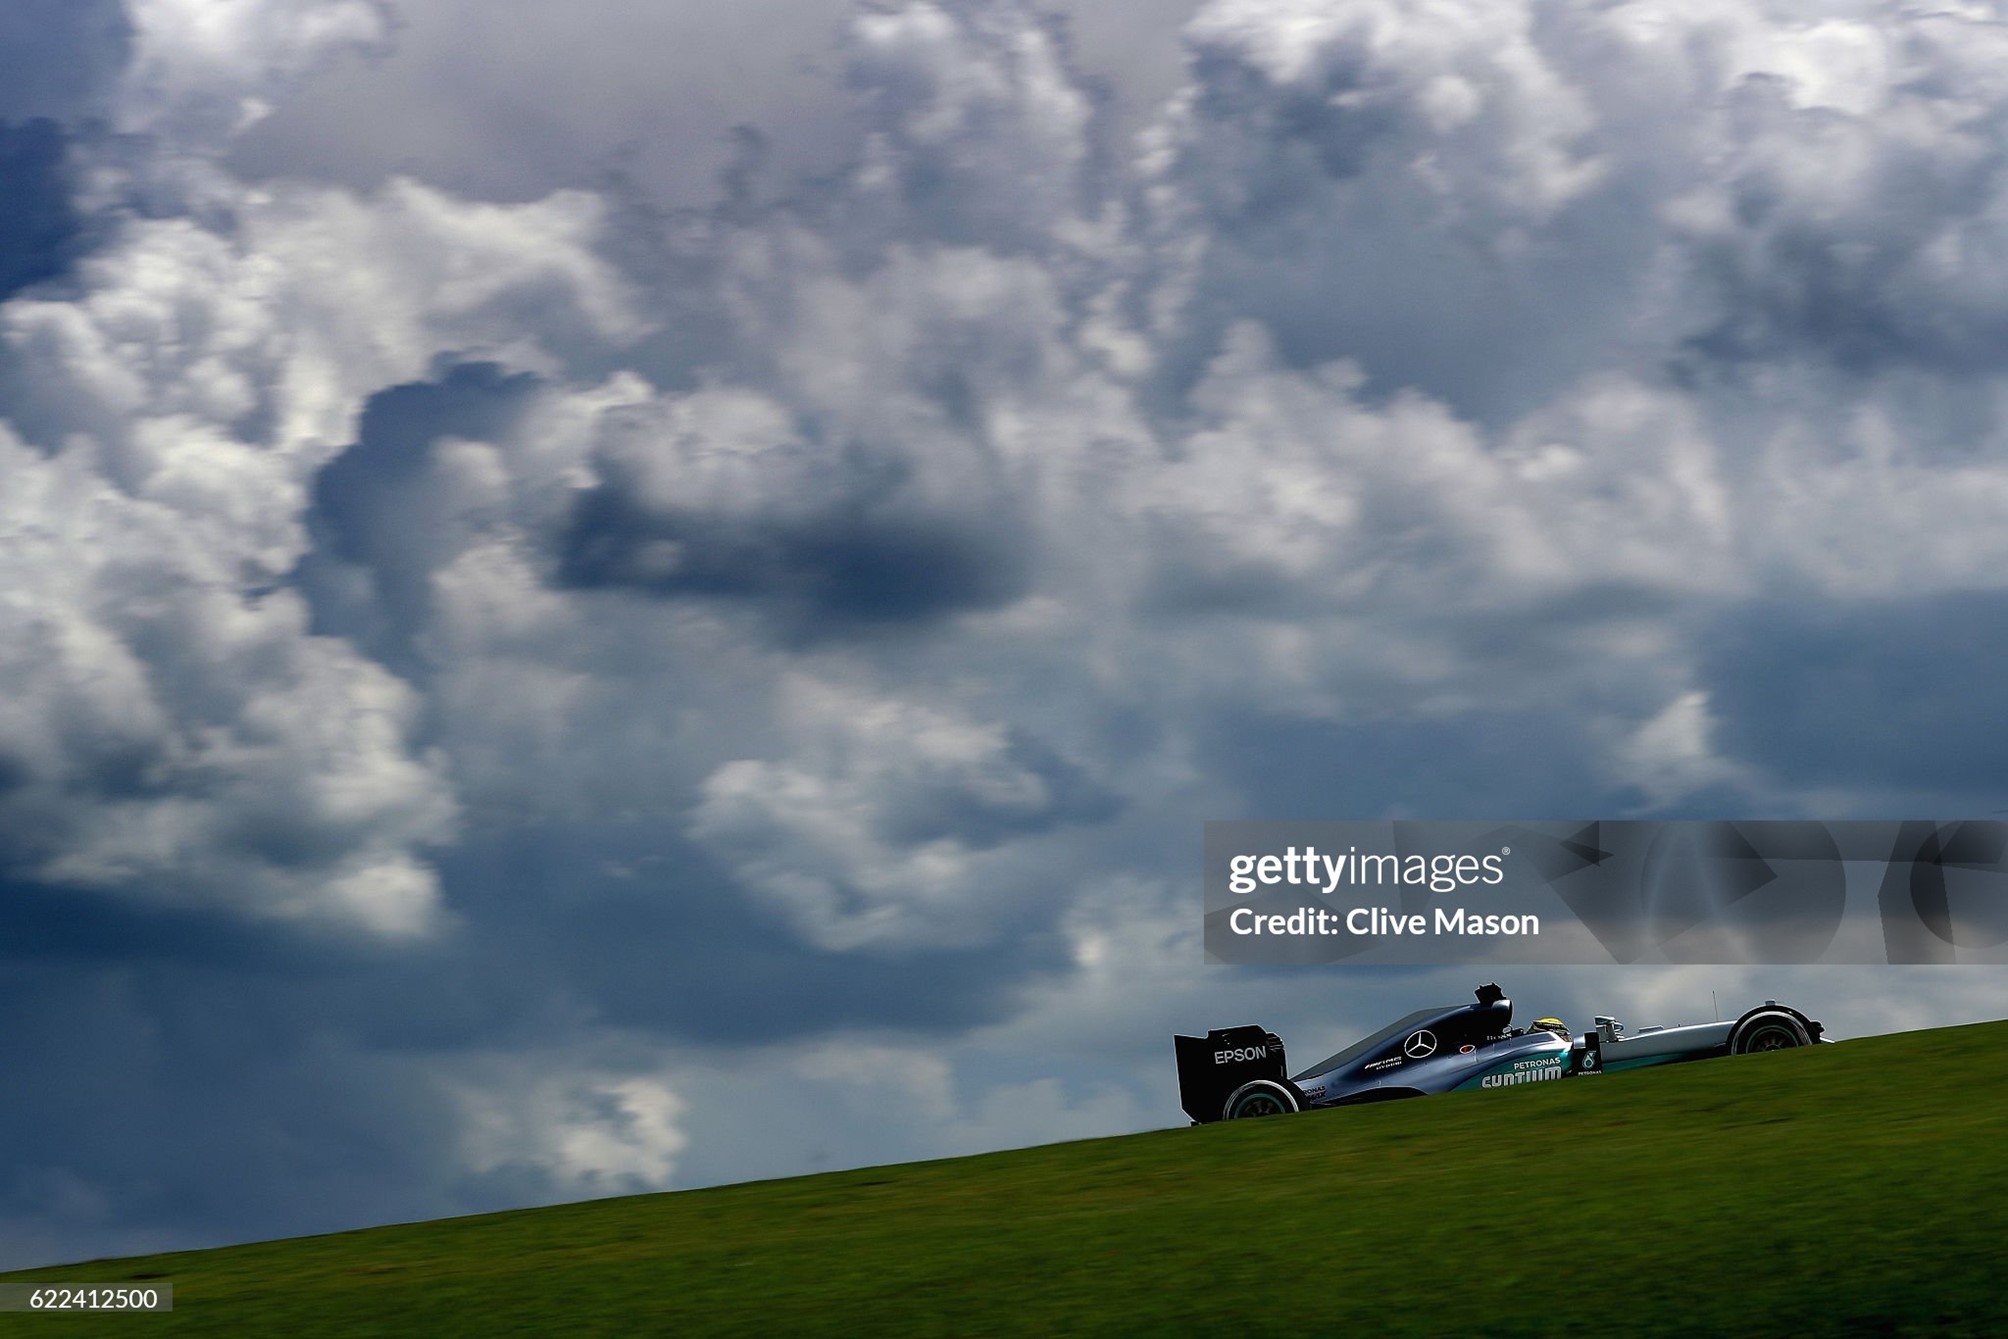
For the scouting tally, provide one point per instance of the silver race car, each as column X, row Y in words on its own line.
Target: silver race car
column 1232, row 1073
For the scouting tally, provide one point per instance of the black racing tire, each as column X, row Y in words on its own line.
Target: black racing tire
column 1770, row 1030
column 1261, row 1097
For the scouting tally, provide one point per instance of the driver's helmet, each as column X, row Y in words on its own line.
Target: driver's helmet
column 1554, row 1025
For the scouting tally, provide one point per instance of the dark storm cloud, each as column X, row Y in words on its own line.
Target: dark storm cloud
column 652, row 934
column 203, row 1093
column 846, row 567
column 233, row 1070
column 655, row 934
column 40, row 232
column 1894, row 692
column 378, row 508
column 209, row 1082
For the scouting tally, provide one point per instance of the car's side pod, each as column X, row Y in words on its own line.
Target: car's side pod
column 1212, row 1067
column 1586, row 1056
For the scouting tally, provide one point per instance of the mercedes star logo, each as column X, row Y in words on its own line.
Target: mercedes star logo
column 1419, row 1045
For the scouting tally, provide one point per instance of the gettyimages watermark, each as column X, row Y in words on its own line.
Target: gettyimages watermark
column 1603, row 892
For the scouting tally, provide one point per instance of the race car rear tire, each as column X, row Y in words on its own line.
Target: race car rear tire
column 1771, row 1030
column 1260, row 1097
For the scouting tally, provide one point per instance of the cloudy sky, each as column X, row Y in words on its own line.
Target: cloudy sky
column 630, row 595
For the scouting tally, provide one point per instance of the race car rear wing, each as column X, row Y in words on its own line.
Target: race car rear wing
column 1212, row 1067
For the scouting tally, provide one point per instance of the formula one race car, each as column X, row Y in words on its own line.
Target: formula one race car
column 1231, row 1073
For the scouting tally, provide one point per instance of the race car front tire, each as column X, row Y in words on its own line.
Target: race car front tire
column 1771, row 1030
column 1261, row 1097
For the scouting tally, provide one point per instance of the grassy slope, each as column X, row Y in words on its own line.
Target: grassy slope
column 1859, row 1188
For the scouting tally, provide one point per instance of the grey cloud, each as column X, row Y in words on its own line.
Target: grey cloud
column 196, row 83
column 1064, row 793
column 1896, row 260
column 171, row 739
column 650, row 90
column 1418, row 195
column 655, row 93
column 981, row 129
column 1408, row 194
column 1283, row 767
column 61, row 58
column 894, row 823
